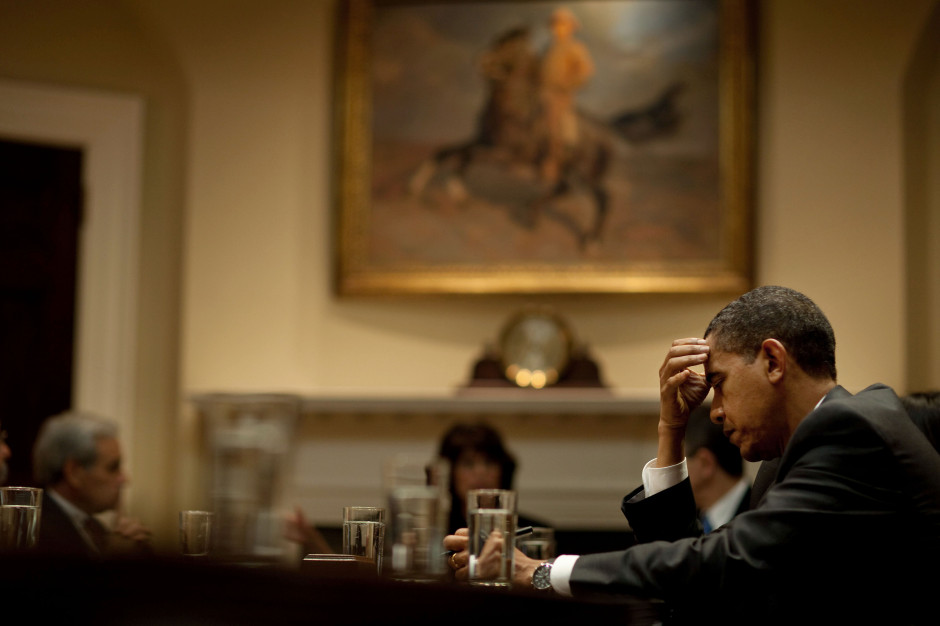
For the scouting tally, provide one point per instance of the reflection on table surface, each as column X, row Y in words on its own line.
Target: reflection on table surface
column 176, row 591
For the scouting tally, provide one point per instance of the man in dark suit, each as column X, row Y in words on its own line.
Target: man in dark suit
column 716, row 471
column 77, row 459
column 841, row 535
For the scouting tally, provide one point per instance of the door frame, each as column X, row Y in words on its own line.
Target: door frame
column 108, row 128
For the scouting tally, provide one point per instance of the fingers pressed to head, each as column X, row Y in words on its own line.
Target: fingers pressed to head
column 689, row 341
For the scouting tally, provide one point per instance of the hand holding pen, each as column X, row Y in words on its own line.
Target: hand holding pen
column 458, row 554
column 525, row 530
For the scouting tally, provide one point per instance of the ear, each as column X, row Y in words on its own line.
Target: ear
column 73, row 473
column 775, row 360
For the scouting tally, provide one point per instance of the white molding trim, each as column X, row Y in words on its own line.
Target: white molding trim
column 109, row 129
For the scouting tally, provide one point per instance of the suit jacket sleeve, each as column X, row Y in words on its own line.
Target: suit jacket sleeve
column 666, row 515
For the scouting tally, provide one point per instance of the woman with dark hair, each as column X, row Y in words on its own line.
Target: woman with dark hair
column 478, row 460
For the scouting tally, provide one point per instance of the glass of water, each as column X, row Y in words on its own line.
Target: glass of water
column 492, row 521
column 364, row 533
column 539, row 544
column 20, row 512
column 195, row 533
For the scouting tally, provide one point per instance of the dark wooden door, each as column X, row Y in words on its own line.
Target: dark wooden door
column 40, row 214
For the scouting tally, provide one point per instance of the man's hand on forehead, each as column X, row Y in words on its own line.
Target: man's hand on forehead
column 682, row 388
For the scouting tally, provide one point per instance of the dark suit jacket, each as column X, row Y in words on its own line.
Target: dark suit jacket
column 57, row 533
column 843, row 534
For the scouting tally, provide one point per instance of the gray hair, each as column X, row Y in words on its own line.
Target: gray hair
column 69, row 435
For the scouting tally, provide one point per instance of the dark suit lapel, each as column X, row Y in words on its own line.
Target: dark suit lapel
column 766, row 476
column 745, row 503
column 57, row 533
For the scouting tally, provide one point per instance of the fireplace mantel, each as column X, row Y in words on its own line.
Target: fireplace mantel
column 579, row 450
column 463, row 402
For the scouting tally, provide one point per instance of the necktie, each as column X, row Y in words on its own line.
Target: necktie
column 707, row 526
column 97, row 532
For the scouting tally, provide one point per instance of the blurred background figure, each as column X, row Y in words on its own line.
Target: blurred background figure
column 77, row 461
column 5, row 454
column 311, row 540
column 478, row 460
column 716, row 471
column 924, row 409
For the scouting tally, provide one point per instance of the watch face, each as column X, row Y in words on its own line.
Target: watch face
column 535, row 349
column 541, row 577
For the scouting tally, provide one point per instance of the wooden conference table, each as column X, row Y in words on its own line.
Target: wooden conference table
column 170, row 590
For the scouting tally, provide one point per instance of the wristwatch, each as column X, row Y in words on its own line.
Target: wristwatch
column 542, row 576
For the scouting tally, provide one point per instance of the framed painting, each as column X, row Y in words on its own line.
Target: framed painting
column 584, row 146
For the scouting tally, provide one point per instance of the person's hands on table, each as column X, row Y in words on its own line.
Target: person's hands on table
column 128, row 534
column 487, row 564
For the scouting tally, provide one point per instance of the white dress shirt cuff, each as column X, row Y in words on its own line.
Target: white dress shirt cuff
column 561, row 573
column 656, row 479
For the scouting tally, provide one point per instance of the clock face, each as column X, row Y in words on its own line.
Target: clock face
column 535, row 349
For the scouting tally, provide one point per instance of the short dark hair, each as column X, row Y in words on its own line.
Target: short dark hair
column 701, row 432
column 773, row 312
column 481, row 438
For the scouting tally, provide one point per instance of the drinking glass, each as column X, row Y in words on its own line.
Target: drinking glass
column 539, row 544
column 364, row 533
column 195, row 533
column 20, row 515
column 492, row 527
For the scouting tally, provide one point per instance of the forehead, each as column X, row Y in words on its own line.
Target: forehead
column 715, row 355
column 108, row 449
column 719, row 361
column 473, row 455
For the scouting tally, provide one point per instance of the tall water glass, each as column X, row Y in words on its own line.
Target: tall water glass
column 195, row 533
column 364, row 533
column 20, row 515
column 492, row 527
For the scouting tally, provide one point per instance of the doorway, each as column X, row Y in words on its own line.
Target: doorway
column 40, row 217
column 108, row 130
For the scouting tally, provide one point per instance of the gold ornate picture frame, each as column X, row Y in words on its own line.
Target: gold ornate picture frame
column 588, row 146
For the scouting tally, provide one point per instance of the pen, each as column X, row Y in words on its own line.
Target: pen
column 525, row 530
